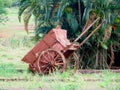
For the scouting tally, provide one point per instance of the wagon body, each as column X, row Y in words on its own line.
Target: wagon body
column 54, row 50
column 56, row 38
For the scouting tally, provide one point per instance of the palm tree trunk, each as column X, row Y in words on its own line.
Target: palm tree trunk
column 79, row 7
column 112, row 56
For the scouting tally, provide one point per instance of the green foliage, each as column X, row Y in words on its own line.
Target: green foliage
column 102, row 8
column 10, row 71
column 1, row 3
column 73, row 15
column 95, row 51
column 50, row 14
column 7, row 3
column 2, row 8
column 2, row 12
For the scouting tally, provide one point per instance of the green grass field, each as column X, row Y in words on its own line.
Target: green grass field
column 14, row 47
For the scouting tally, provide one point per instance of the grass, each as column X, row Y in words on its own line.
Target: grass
column 14, row 48
column 64, row 81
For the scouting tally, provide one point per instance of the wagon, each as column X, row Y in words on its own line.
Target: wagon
column 55, row 50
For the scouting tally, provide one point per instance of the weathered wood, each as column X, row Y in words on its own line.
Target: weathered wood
column 86, row 30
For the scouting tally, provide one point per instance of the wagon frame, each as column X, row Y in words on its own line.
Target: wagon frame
column 54, row 51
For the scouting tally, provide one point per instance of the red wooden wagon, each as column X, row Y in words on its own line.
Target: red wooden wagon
column 54, row 50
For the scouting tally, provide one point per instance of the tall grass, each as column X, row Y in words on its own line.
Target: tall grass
column 11, row 55
column 16, row 42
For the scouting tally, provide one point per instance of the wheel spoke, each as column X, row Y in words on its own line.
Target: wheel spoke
column 45, row 70
column 74, row 62
column 50, row 61
column 51, row 56
column 48, row 55
column 58, row 61
column 45, row 58
column 57, row 64
column 43, row 66
column 43, row 61
column 53, row 68
column 56, row 58
column 50, row 70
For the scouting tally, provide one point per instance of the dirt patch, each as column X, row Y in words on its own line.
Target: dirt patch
column 5, row 35
column 22, row 27
column 85, row 71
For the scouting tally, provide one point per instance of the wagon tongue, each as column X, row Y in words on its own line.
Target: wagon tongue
column 95, row 30
column 84, row 31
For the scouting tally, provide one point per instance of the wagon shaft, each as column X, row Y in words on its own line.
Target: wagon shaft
column 95, row 30
column 68, row 51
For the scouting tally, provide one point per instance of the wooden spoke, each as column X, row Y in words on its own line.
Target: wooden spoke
column 58, row 64
column 50, row 60
column 45, row 70
column 74, row 61
column 46, row 58
column 44, row 62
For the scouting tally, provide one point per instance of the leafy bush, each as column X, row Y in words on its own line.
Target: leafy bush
column 2, row 8
column 7, row 3
column 75, row 16
column 2, row 12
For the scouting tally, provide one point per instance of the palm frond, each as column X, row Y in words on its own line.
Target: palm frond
column 24, row 4
column 26, row 17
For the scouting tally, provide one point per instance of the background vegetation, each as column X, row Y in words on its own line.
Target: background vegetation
column 46, row 15
column 75, row 16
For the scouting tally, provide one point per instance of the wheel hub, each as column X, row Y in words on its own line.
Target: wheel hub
column 50, row 63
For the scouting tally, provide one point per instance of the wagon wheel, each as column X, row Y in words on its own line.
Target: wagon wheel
column 51, row 60
column 73, row 62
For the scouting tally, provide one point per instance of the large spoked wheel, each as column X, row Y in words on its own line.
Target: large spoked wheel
column 73, row 62
column 51, row 60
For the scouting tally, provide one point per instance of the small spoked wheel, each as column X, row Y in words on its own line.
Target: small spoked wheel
column 50, row 61
column 73, row 62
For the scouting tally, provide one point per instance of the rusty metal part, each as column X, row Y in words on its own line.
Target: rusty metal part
column 51, row 60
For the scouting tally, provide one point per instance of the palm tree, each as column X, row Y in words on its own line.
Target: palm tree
column 75, row 16
column 50, row 14
column 104, row 41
